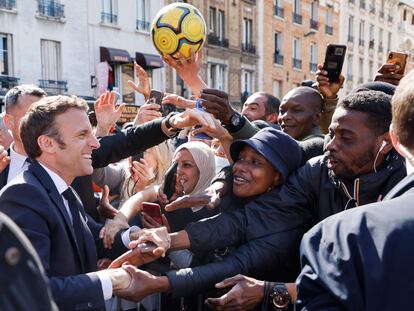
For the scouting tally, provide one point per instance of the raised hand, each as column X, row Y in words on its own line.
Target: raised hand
column 143, row 85
column 142, row 174
column 387, row 73
column 178, row 101
column 245, row 294
column 147, row 112
column 192, row 117
column 210, row 199
column 4, row 158
column 106, row 112
column 217, row 103
column 137, row 256
column 328, row 89
column 105, row 209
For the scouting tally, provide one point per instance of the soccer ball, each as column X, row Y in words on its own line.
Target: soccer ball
column 178, row 28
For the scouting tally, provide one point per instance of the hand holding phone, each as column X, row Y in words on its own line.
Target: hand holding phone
column 398, row 58
column 153, row 210
column 334, row 60
column 199, row 106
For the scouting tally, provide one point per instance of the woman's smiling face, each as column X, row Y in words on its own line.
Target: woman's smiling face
column 188, row 173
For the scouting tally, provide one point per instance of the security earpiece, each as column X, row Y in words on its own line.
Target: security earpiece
column 384, row 143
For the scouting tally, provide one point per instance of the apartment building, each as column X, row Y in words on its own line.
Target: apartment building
column 406, row 30
column 77, row 47
column 370, row 30
column 293, row 37
column 230, row 53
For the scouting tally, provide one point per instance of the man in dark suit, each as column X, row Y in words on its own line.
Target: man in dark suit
column 58, row 138
column 362, row 259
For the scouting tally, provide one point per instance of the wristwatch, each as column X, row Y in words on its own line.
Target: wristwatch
column 236, row 123
column 280, row 297
column 168, row 125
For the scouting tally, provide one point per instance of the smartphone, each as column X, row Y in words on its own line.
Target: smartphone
column 398, row 58
column 169, row 180
column 334, row 60
column 199, row 106
column 153, row 210
column 146, row 247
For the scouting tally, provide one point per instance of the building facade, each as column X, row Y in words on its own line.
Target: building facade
column 294, row 34
column 370, row 30
column 230, row 54
column 78, row 47
column 406, row 30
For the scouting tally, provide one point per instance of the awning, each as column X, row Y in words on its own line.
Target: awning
column 148, row 61
column 114, row 55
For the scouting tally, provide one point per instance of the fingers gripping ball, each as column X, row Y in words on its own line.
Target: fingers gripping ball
column 178, row 28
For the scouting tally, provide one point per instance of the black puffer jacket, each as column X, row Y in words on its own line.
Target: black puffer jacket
column 270, row 227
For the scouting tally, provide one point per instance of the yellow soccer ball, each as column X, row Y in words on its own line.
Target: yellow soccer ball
column 178, row 28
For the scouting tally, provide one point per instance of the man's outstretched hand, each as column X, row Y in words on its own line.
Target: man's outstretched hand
column 217, row 103
column 137, row 256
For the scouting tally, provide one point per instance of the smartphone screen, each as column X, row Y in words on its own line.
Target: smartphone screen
column 334, row 60
column 398, row 58
column 153, row 210
column 200, row 107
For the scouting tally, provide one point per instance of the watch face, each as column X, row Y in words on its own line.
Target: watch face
column 235, row 119
column 280, row 301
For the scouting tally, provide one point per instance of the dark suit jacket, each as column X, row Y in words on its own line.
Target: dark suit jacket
column 34, row 203
column 21, row 273
column 362, row 259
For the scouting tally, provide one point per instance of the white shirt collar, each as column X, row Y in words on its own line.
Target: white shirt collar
column 18, row 159
column 57, row 180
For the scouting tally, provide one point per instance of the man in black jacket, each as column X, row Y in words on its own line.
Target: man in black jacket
column 362, row 259
column 360, row 167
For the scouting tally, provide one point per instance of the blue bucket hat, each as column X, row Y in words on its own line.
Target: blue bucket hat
column 281, row 150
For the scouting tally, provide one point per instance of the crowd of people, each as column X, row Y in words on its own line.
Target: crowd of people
column 300, row 203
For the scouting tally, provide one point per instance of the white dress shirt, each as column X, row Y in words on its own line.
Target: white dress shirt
column 103, row 277
column 17, row 163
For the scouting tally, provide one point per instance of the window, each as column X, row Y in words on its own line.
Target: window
column 296, row 7
column 361, row 71
column 297, row 18
column 278, row 54
column 380, row 39
column 371, row 70
column 5, row 55
column 314, row 11
column 405, row 15
column 247, row 83
column 50, row 8
column 389, row 41
column 277, row 88
column 313, row 57
column 143, row 15
column 351, row 28
column 109, row 12
column 217, row 76
column 278, row 6
column 51, row 62
column 221, row 24
column 361, row 32
column 349, row 69
column 371, row 36
column 329, row 20
column 212, row 17
column 297, row 62
column 247, row 31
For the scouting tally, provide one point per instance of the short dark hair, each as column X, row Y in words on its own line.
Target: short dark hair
column 376, row 105
column 403, row 111
column 273, row 103
column 40, row 120
column 12, row 96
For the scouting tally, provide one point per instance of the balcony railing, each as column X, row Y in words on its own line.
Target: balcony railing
column 350, row 39
column 248, row 47
column 142, row 25
column 51, row 9
column 216, row 40
column 280, row 12
column 313, row 67
column 7, row 82
column 108, row 18
column 372, row 9
column 361, row 42
column 329, row 30
column 349, row 77
column 314, row 24
column 297, row 18
column 352, row 1
column 362, row 5
column 371, row 44
column 278, row 59
column 297, row 63
column 8, row 4
column 390, row 19
column 54, row 86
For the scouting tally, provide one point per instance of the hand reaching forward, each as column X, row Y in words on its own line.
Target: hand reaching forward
column 143, row 86
column 106, row 112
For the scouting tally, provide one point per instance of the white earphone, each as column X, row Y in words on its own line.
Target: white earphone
column 384, row 143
